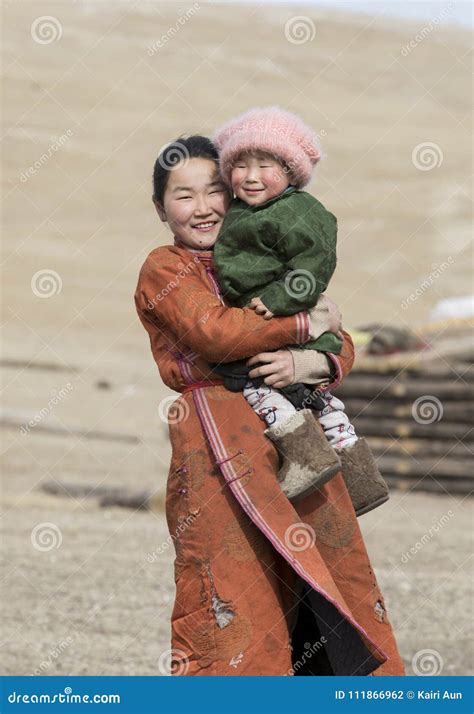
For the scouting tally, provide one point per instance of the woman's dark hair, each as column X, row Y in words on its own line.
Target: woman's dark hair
column 182, row 149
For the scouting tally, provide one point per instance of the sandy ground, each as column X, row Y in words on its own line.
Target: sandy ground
column 83, row 214
column 99, row 601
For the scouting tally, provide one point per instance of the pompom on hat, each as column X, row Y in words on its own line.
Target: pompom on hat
column 274, row 131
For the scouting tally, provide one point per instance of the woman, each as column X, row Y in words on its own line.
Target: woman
column 263, row 586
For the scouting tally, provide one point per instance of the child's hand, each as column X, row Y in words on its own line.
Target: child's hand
column 261, row 309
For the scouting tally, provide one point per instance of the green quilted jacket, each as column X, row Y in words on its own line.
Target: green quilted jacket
column 283, row 251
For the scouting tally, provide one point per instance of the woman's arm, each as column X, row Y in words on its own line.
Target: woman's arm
column 176, row 297
column 291, row 366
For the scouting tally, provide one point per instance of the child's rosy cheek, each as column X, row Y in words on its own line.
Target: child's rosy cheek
column 274, row 178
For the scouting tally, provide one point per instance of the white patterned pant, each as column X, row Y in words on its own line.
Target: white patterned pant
column 338, row 429
column 275, row 409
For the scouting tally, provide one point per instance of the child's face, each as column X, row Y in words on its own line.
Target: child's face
column 195, row 203
column 258, row 177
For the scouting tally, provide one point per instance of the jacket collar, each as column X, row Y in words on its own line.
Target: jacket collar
column 206, row 257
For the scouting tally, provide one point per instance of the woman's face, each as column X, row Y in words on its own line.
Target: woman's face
column 195, row 203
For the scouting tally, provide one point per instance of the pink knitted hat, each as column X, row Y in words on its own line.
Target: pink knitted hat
column 274, row 131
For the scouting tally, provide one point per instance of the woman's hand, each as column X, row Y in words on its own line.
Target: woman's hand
column 278, row 368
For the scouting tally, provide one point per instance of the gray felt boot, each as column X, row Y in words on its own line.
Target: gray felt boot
column 308, row 459
column 366, row 485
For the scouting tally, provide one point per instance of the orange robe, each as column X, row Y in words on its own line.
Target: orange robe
column 243, row 551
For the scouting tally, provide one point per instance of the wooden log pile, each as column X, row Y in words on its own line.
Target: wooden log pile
column 416, row 410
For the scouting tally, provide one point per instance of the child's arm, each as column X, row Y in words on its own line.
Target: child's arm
column 324, row 369
column 311, row 367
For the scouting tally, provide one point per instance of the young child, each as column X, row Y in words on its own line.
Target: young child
column 276, row 252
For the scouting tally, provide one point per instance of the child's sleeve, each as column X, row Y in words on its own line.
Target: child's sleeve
column 321, row 368
column 309, row 244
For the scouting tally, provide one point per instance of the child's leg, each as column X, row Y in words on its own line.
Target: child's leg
column 269, row 403
column 366, row 486
column 308, row 461
column 338, row 429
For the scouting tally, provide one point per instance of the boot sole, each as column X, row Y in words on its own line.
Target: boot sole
column 326, row 476
column 371, row 506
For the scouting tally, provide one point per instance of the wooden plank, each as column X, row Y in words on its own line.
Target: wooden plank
column 389, row 408
column 366, row 426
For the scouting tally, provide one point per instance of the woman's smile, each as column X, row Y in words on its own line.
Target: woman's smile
column 205, row 226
